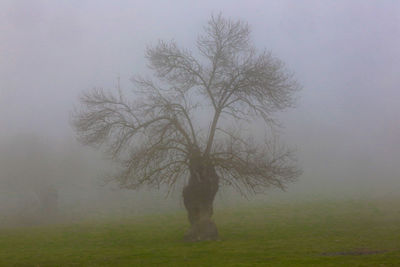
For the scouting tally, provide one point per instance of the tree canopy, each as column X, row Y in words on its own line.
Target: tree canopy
column 195, row 108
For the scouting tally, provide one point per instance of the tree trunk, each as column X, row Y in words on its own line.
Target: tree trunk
column 198, row 198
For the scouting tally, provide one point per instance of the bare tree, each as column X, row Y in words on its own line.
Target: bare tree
column 159, row 136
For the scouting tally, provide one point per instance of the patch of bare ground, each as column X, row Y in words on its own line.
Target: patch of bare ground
column 357, row 252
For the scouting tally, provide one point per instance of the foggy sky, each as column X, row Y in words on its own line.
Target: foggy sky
column 346, row 55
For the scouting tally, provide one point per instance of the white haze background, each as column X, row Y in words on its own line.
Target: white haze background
column 346, row 128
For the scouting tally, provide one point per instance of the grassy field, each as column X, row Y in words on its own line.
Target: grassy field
column 323, row 233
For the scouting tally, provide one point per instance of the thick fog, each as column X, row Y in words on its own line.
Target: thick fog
column 345, row 128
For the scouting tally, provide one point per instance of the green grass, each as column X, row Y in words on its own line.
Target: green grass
column 327, row 233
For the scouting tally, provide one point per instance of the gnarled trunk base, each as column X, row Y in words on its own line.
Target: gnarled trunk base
column 198, row 197
column 202, row 231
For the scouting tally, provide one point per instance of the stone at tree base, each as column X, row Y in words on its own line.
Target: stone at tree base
column 202, row 231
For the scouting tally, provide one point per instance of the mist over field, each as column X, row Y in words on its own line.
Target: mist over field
column 345, row 129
